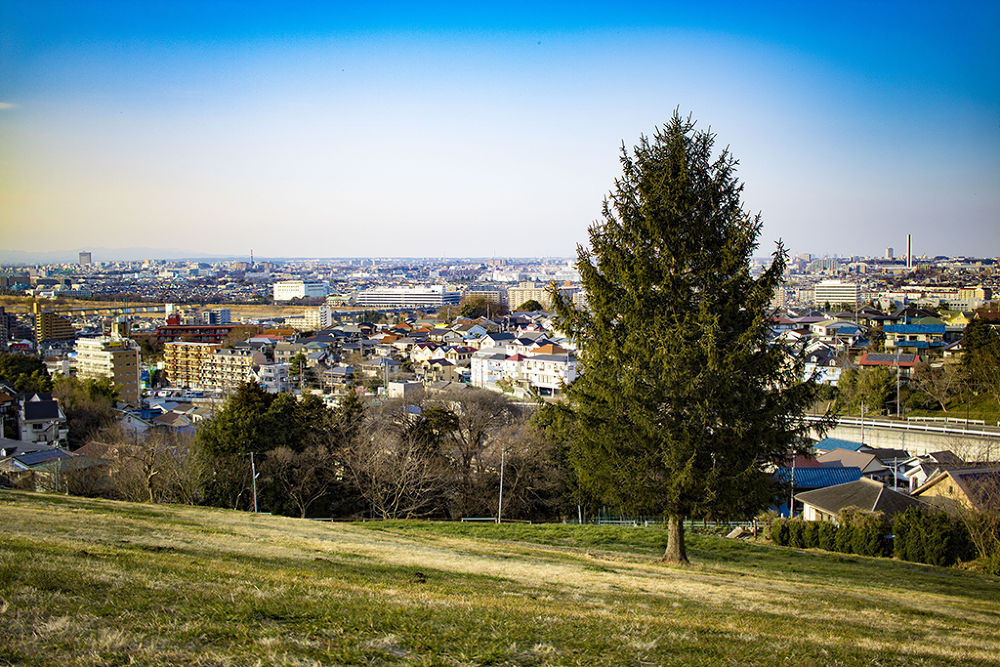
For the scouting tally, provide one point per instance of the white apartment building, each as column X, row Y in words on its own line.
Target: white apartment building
column 423, row 296
column 286, row 290
column 837, row 293
column 539, row 374
column 318, row 318
column 113, row 358
column 228, row 368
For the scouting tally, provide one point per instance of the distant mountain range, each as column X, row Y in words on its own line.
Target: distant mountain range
column 102, row 255
column 98, row 255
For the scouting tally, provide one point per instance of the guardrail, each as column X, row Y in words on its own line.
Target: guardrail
column 910, row 426
column 949, row 420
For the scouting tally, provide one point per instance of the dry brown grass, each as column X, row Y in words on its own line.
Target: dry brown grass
column 97, row 582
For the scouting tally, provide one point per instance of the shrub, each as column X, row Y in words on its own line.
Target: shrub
column 795, row 528
column 906, row 534
column 827, row 535
column 844, row 538
column 779, row 532
column 932, row 538
column 869, row 530
column 810, row 534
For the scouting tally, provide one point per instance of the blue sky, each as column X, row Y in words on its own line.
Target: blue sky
column 428, row 130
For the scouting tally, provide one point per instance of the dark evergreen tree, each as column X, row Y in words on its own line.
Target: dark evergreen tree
column 681, row 403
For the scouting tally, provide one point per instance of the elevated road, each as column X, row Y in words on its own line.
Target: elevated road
column 970, row 440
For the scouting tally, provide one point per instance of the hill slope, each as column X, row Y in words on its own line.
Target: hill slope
column 96, row 582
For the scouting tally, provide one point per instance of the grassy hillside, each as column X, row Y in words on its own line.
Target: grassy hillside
column 98, row 582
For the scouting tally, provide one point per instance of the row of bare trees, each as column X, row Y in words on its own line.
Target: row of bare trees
column 434, row 456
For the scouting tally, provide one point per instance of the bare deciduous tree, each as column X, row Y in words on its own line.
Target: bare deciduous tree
column 480, row 415
column 304, row 477
column 940, row 382
column 534, row 480
column 395, row 473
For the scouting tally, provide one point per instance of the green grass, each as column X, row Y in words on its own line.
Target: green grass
column 983, row 407
column 98, row 582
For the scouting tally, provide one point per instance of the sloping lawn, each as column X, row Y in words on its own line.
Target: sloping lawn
column 97, row 582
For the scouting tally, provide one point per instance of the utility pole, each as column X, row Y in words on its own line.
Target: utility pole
column 862, row 422
column 897, row 382
column 253, row 472
column 791, row 493
column 500, row 504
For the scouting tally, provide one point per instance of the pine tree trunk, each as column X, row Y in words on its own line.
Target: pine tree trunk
column 675, row 554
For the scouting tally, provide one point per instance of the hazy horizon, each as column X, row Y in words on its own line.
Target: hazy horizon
column 451, row 130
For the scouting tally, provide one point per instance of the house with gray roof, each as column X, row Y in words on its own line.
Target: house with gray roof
column 867, row 494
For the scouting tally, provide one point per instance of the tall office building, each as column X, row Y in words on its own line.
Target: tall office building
column 85, row 259
column 889, row 252
column 909, row 251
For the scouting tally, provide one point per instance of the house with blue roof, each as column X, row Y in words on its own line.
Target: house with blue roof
column 829, row 444
column 915, row 337
column 796, row 479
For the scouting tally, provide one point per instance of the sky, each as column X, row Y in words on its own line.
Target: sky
column 481, row 129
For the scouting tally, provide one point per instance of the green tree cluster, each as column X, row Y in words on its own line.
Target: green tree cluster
column 304, row 437
column 25, row 373
column 681, row 403
column 875, row 387
column 480, row 306
column 530, row 306
column 930, row 537
column 89, row 406
column 981, row 357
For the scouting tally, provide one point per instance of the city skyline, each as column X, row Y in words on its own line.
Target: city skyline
column 453, row 131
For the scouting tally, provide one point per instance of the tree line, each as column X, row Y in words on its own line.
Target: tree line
column 439, row 456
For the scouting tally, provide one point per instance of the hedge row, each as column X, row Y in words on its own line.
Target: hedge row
column 935, row 539
column 858, row 532
column 918, row 536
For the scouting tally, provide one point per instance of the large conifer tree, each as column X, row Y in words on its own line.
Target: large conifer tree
column 681, row 403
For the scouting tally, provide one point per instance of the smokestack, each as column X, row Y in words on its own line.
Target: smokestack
column 909, row 252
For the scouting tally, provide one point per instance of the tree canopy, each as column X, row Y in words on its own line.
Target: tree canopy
column 26, row 373
column 681, row 403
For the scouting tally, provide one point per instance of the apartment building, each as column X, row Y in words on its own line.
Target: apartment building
column 228, row 368
column 318, row 318
column 50, row 327
column 532, row 291
column 185, row 362
column 113, row 358
column 543, row 373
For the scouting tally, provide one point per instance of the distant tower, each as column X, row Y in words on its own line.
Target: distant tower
column 909, row 251
column 85, row 259
column 889, row 252
column 251, row 258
